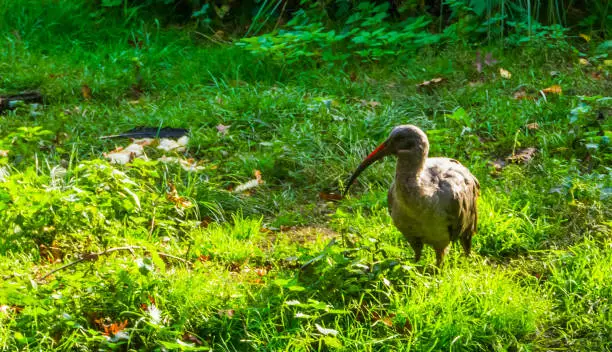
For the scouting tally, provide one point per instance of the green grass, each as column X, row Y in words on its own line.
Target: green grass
column 264, row 272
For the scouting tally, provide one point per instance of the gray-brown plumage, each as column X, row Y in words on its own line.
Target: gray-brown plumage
column 432, row 200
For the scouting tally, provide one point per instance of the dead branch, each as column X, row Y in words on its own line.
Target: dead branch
column 7, row 102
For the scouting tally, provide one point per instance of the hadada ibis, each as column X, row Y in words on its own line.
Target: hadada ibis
column 431, row 200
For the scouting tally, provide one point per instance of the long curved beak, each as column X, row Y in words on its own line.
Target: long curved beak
column 380, row 152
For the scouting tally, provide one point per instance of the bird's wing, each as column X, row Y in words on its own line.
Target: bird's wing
column 461, row 193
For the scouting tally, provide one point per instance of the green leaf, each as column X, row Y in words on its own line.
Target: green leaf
column 201, row 12
column 145, row 265
column 19, row 337
column 354, row 18
column 112, row 3
column 332, row 342
column 296, row 288
column 478, row 6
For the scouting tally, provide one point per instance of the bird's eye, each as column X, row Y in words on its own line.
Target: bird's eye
column 409, row 144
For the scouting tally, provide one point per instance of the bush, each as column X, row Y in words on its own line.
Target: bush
column 366, row 34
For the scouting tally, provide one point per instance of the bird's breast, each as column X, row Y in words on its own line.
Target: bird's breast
column 416, row 213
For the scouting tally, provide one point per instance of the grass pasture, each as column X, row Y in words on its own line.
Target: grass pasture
column 188, row 263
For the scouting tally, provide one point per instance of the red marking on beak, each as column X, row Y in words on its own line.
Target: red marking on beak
column 382, row 146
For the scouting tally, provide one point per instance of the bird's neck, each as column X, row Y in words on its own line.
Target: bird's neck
column 408, row 169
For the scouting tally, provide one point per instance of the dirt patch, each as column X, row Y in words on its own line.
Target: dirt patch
column 301, row 235
column 310, row 234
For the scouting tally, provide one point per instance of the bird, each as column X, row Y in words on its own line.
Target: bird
column 431, row 201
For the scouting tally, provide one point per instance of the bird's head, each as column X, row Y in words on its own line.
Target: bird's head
column 407, row 142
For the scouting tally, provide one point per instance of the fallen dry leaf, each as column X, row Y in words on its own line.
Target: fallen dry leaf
column 191, row 338
column 406, row 329
column 498, row 164
column 370, row 103
column 227, row 313
column 505, row 73
column 151, row 300
column 135, row 43
column 260, row 271
column 207, row 220
column 234, row 267
column 597, row 75
column 5, row 309
column 330, row 196
column 144, row 141
column 522, row 94
column 532, row 126
column 169, row 145
column 137, row 149
column 246, row 186
column 522, row 155
column 554, row 89
column 219, row 34
column 221, row 128
column 431, row 83
column 258, row 180
column 113, row 328
column 125, row 155
column 53, row 253
column 175, row 198
column 86, row 91
column 183, row 141
column 385, row 320
column 189, row 165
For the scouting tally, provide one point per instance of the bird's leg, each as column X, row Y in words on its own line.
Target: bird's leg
column 440, row 253
column 466, row 243
column 417, row 246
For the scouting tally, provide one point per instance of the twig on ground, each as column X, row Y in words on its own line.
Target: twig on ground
column 94, row 256
column 212, row 39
